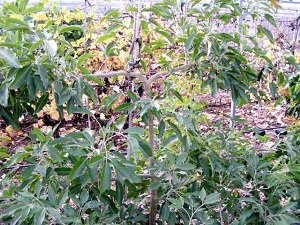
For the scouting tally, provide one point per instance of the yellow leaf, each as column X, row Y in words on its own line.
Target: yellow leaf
column 11, row 132
column 68, row 117
column 40, row 123
column 54, row 115
column 4, row 140
column 275, row 3
column 114, row 63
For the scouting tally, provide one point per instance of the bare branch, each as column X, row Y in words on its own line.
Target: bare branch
column 167, row 73
column 121, row 73
column 141, row 76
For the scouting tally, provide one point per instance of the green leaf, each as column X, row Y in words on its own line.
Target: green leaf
column 202, row 194
column 64, row 97
column 4, row 94
column 181, row 158
column 177, row 95
column 176, row 203
column 135, row 130
column 93, row 204
column 51, row 196
column 189, row 42
column 17, row 21
column 41, row 217
column 67, row 28
column 21, row 77
column 41, row 102
column 22, row 6
column 54, row 153
column 11, row 45
column 42, row 71
column 164, row 211
column 84, row 196
column 119, row 192
column 16, row 27
column 39, row 134
column 62, row 171
column 105, row 178
column 95, row 161
column 89, row 91
column 161, row 129
column 62, row 197
column 34, row 9
column 124, row 171
column 176, row 130
column 10, row 57
column 110, row 100
column 125, row 107
column 145, row 147
column 112, row 13
column 166, row 35
column 132, row 95
column 273, row 89
column 186, row 166
column 159, row 11
column 133, row 147
column 31, row 87
column 8, row 117
column 211, row 199
column 242, row 93
column 54, row 212
column 94, row 79
column 3, row 151
column 51, row 46
column 78, row 169
column 169, row 140
column 144, row 26
column 12, row 209
column 106, row 37
column 36, row 45
column 83, row 58
column 132, row 9
column 270, row 19
column 266, row 32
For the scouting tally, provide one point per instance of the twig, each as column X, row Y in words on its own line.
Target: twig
column 17, row 167
column 118, row 73
column 135, row 51
column 85, row 50
column 141, row 76
column 167, row 73
column 271, row 128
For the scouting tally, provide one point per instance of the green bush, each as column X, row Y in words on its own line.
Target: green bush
column 213, row 178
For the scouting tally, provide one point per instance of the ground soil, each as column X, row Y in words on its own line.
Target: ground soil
column 254, row 115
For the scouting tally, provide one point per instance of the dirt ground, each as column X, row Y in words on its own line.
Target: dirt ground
column 254, row 116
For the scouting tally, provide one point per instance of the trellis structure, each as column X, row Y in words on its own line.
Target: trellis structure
column 289, row 8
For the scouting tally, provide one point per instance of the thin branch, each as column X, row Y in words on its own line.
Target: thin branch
column 141, row 75
column 121, row 73
column 85, row 50
column 167, row 73
column 135, row 51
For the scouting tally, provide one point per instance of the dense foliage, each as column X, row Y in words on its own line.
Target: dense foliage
column 36, row 64
column 212, row 178
column 180, row 174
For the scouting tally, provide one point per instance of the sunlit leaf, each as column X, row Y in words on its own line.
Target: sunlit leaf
column 10, row 57
column 68, row 28
column 189, row 42
column 4, row 94
column 266, row 32
column 51, row 46
column 270, row 19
